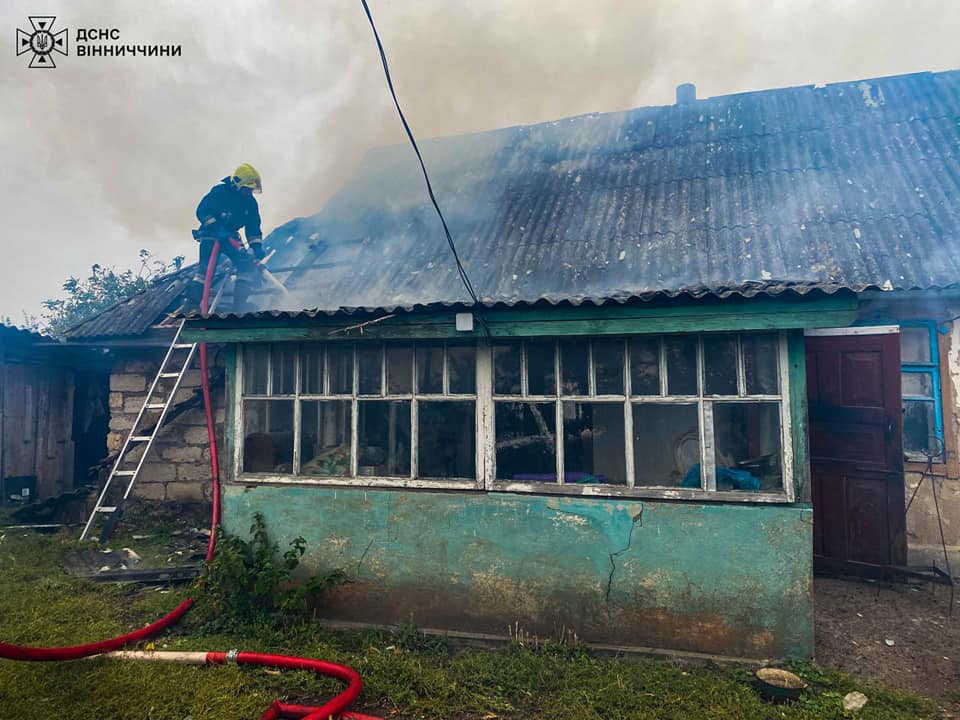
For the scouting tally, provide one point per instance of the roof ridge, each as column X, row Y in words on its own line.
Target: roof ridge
column 814, row 87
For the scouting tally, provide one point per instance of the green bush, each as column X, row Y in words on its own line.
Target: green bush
column 249, row 583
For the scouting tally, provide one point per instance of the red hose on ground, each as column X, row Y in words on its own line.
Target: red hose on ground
column 333, row 708
column 337, row 707
column 20, row 652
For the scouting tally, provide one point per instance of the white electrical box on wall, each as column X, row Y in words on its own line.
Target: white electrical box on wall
column 464, row 322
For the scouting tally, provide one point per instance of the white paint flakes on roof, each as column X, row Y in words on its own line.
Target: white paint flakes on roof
column 870, row 99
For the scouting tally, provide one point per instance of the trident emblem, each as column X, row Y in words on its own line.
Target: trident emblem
column 42, row 42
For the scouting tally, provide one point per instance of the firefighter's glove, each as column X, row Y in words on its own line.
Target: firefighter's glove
column 256, row 248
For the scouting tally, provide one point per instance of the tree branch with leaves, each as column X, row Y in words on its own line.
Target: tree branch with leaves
column 105, row 286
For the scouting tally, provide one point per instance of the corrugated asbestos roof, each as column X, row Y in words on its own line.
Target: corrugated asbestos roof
column 133, row 316
column 852, row 185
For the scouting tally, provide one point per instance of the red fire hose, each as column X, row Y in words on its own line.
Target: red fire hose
column 337, row 707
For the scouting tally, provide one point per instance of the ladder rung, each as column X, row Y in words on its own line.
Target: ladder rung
column 147, row 405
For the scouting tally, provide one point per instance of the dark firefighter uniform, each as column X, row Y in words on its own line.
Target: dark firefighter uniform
column 223, row 212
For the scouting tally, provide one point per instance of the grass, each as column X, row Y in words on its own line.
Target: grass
column 406, row 674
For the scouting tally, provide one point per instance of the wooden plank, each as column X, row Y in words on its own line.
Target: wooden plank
column 679, row 307
column 55, row 460
column 797, row 381
column 149, row 576
column 42, row 382
column 67, row 481
column 616, row 320
column 18, row 439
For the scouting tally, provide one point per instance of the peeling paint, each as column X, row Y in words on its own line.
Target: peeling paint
column 728, row 579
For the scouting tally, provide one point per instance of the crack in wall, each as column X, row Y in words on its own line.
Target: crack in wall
column 363, row 557
column 637, row 521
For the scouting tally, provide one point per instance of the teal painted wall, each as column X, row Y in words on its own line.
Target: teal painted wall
column 715, row 578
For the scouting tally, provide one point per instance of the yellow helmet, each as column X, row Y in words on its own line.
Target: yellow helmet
column 247, row 176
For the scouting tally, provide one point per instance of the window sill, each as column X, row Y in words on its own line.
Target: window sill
column 727, row 496
column 640, row 492
column 361, row 482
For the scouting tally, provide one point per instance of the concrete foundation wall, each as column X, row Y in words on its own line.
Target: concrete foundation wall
column 714, row 578
column 178, row 467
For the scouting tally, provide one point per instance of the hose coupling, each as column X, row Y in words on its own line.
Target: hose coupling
column 231, row 656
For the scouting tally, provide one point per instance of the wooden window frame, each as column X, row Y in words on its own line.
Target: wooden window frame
column 704, row 403
column 354, row 479
column 932, row 369
column 485, row 437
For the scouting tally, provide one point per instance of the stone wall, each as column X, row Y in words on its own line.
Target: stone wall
column 178, row 467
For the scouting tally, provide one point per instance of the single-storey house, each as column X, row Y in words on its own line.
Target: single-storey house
column 712, row 342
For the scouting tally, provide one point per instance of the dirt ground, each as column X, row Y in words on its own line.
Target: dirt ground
column 903, row 636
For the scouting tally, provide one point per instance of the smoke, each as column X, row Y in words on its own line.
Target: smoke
column 103, row 156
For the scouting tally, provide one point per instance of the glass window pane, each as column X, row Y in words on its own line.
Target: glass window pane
column 430, row 369
column 645, row 366
column 383, row 430
column 256, row 360
column 340, row 359
column 541, row 371
column 526, row 441
column 666, row 445
column 268, row 436
column 325, row 437
column 761, row 359
column 593, row 443
column 720, row 365
column 462, row 369
column 747, row 441
column 608, row 365
column 574, row 363
column 447, row 432
column 917, row 384
column 506, row 368
column 282, row 364
column 399, row 369
column 919, row 431
column 681, row 352
column 914, row 345
column 311, row 369
column 368, row 370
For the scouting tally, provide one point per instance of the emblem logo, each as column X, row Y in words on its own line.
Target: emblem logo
column 42, row 42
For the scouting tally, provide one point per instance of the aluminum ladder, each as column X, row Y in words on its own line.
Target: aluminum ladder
column 141, row 435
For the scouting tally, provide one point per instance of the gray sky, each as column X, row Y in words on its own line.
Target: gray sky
column 103, row 156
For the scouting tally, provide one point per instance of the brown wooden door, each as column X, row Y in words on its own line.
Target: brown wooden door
column 856, row 454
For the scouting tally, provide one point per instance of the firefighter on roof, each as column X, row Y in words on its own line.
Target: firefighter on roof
column 227, row 208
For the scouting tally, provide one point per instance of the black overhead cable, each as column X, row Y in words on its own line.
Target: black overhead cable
column 453, row 248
